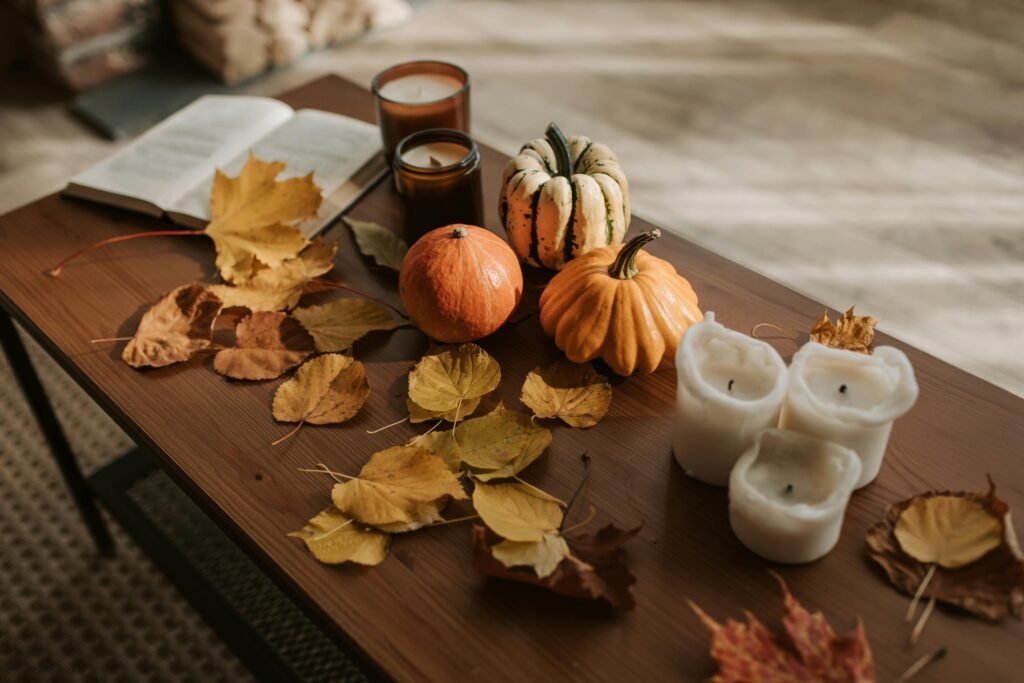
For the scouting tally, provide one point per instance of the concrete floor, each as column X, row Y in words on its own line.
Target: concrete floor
column 865, row 153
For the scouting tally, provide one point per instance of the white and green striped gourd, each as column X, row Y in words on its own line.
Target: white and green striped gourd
column 561, row 198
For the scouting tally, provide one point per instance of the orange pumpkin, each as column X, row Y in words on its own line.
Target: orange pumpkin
column 619, row 304
column 460, row 283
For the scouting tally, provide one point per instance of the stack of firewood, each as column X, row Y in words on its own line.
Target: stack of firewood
column 83, row 42
column 237, row 39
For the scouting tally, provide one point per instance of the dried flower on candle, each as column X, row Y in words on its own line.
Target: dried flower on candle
column 750, row 652
column 850, row 332
column 955, row 547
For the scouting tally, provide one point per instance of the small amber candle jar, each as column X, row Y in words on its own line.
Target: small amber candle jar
column 414, row 96
column 437, row 175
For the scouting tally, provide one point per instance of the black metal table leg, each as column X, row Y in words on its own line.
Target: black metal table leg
column 38, row 401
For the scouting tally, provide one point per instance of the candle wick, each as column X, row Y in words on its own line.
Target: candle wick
column 730, row 384
column 842, row 389
column 789, row 488
column 434, row 161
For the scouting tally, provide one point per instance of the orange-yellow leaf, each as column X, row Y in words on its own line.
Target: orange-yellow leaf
column 850, row 332
column 173, row 328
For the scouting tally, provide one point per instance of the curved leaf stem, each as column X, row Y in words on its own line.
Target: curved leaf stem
column 289, row 434
column 55, row 271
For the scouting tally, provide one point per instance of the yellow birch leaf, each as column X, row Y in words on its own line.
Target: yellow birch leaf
column 517, row 512
column 398, row 489
column 443, row 380
column 572, row 392
column 338, row 324
column 441, row 444
column 543, row 556
column 500, row 444
column 419, row 414
column 334, row 538
column 382, row 245
column 253, row 217
column 326, row 390
column 173, row 328
column 850, row 332
column 951, row 531
column 278, row 289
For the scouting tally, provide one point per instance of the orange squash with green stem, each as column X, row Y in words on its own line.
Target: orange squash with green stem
column 620, row 304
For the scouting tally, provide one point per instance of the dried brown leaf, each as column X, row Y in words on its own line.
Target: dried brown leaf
column 572, row 392
column 850, row 332
column 266, row 345
column 173, row 328
column 747, row 652
column 595, row 569
column 990, row 587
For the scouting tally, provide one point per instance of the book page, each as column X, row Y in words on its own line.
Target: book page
column 334, row 147
column 178, row 153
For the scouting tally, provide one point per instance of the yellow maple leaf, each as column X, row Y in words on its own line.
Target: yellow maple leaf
column 850, row 332
column 278, row 289
column 516, row 511
column 253, row 217
column 951, row 531
column 399, row 489
column 444, row 380
column 338, row 324
column 334, row 538
column 572, row 392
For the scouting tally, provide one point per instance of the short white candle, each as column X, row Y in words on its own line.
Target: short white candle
column 850, row 398
column 435, row 154
column 730, row 386
column 420, row 88
column 788, row 494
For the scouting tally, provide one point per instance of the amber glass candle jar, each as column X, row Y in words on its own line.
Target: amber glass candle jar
column 415, row 96
column 437, row 175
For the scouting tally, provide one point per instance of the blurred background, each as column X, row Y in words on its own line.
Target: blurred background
column 864, row 153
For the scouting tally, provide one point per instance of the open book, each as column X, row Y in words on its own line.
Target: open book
column 170, row 168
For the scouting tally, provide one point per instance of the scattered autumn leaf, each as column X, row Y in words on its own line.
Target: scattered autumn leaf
column 497, row 445
column 543, row 556
column 399, row 489
column 444, row 380
column 750, row 652
column 253, row 216
column 338, row 324
column 572, row 392
column 173, row 328
column 989, row 586
column 334, row 538
column 266, row 345
column 595, row 569
column 325, row 390
column 516, row 511
column 419, row 414
column 278, row 289
column 374, row 240
column 850, row 332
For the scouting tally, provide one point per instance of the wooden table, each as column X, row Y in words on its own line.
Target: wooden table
column 423, row 614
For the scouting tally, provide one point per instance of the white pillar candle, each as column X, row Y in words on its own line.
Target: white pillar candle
column 420, row 88
column 788, row 494
column 850, row 398
column 730, row 386
column 435, row 154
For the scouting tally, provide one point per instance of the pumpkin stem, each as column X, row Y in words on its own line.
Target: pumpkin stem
column 560, row 146
column 458, row 233
column 624, row 267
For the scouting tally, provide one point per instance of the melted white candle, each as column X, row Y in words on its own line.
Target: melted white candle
column 730, row 386
column 435, row 154
column 850, row 398
column 788, row 494
column 420, row 88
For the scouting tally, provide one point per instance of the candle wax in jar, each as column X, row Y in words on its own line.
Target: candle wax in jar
column 435, row 154
column 420, row 88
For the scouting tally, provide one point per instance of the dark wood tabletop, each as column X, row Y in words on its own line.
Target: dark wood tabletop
column 423, row 614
